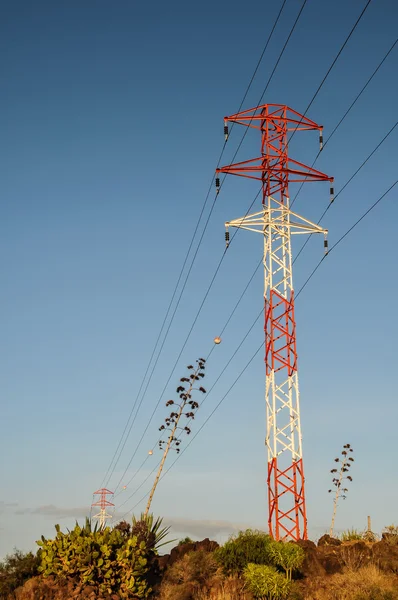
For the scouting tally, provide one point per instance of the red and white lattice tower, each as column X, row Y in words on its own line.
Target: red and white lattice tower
column 287, row 517
column 103, row 503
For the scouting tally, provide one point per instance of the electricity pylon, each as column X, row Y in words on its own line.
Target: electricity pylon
column 287, row 517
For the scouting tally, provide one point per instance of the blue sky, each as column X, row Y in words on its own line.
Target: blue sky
column 112, row 124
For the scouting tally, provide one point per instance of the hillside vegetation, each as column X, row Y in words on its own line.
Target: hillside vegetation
column 124, row 562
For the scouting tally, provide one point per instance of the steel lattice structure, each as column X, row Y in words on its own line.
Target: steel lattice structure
column 287, row 517
column 103, row 503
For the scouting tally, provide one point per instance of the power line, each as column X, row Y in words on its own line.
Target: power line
column 201, row 238
column 121, row 444
column 347, row 112
column 223, row 255
column 262, row 344
column 295, row 198
column 347, row 182
column 333, row 63
column 344, row 236
column 208, row 418
column 268, row 82
column 206, row 397
column 182, row 348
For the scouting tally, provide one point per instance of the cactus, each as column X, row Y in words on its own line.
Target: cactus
column 104, row 559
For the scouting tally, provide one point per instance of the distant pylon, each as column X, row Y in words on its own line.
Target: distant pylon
column 102, row 516
column 287, row 517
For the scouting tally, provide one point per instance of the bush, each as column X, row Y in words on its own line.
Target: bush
column 195, row 572
column 185, row 540
column 351, row 535
column 390, row 534
column 265, row 582
column 286, row 555
column 15, row 570
column 105, row 559
column 366, row 583
column 247, row 547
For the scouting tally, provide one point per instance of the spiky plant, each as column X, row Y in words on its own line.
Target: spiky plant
column 150, row 531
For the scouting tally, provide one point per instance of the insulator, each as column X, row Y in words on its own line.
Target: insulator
column 325, row 245
column 227, row 238
column 217, row 184
column 320, row 141
column 226, row 132
column 332, row 194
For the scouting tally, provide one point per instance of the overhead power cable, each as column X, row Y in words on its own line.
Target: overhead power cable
column 182, row 349
column 262, row 344
column 346, row 114
column 199, row 244
column 206, row 421
column 348, row 182
column 332, row 65
column 259, row 264
column 210, row 390
column 266, row 85
column 121, row 444
column 344, row 236
column 223, row 255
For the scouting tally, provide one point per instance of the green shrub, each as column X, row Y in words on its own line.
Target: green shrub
column 105, row 559
column 247, row 547
column 286, row 555
column 185, row 540
column 266, row 583
column 15, row 569
column 351, row 535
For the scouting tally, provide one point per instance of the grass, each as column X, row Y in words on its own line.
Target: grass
column 366, row 583
column 351, row 535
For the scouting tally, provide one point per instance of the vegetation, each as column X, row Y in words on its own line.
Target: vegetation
column 15, row 569
column 195, row 574
column 121, row 562
column 341, row 477
column 287, row 556
column 366, row 583
column 247, row 547
column 107, row 560
column 390, row 534
column 266, row 583
column 185, row 540
column 351, row 535
column 150, row 531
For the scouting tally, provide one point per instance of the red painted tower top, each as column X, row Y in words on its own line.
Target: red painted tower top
column 274, row 167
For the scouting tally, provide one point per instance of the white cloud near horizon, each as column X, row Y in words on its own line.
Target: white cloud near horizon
column 200, row 528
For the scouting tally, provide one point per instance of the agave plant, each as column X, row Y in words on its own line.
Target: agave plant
column 150, row 531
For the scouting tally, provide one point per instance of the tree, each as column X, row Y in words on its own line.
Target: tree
column 15, row 569
column 265, row 583
column 286, row 555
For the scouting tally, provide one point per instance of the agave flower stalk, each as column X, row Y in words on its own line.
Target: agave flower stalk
column 173, row 420
column 340, row 478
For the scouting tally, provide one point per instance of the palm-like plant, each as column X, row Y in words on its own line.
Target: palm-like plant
column 150, row 530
